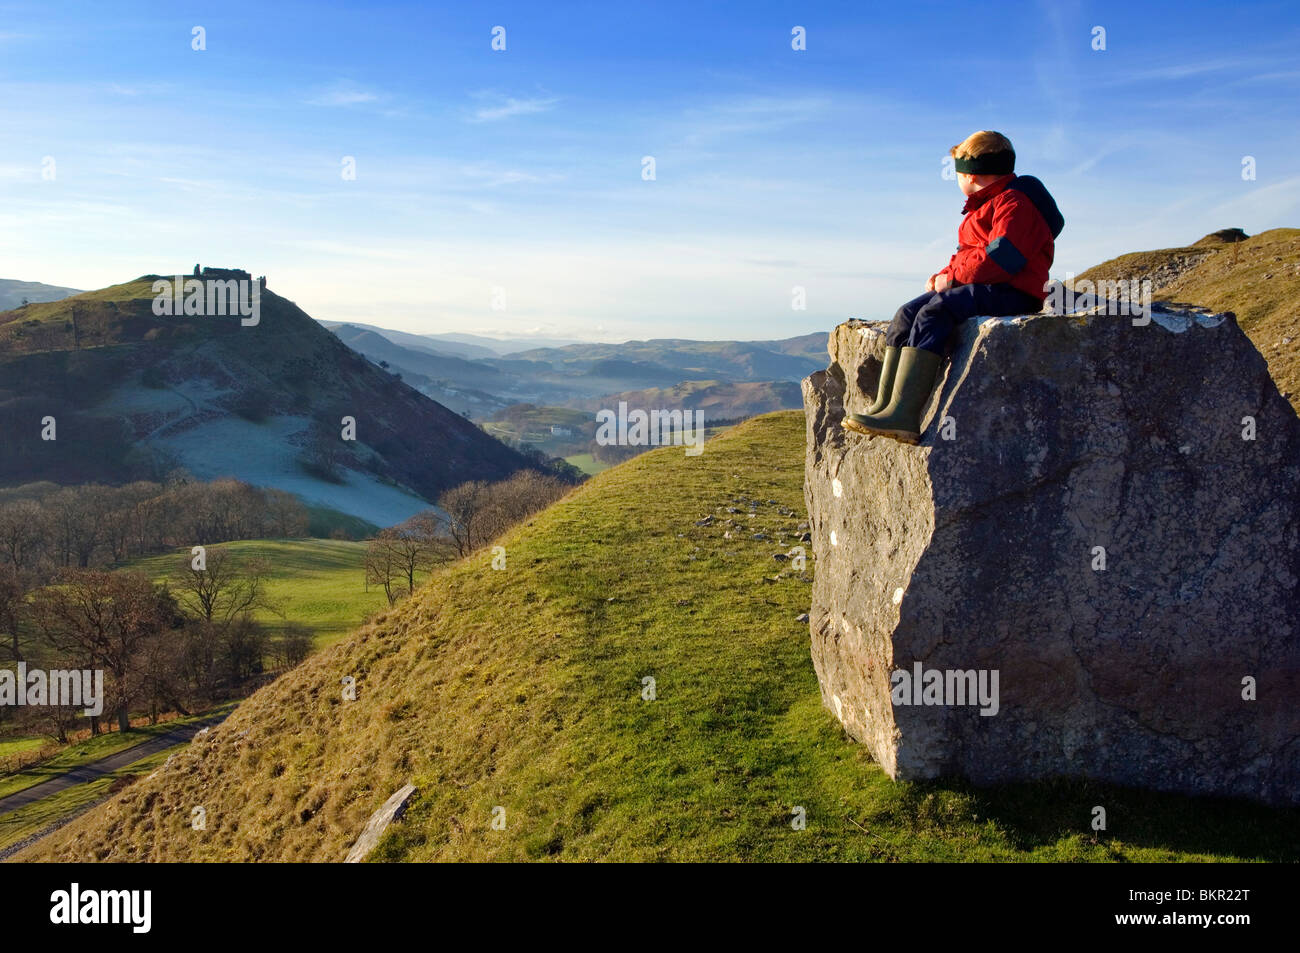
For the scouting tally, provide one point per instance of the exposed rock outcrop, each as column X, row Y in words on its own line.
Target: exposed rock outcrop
column 1103, row 517
column 391, row 810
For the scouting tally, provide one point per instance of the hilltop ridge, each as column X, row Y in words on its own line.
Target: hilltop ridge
column 1255, row 277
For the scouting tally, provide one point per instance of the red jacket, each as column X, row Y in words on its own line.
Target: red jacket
column 1007, row 236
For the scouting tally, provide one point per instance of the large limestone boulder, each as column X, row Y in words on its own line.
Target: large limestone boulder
column 1100, row 529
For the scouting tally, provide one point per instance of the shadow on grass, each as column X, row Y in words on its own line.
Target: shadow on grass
column 1043, row 813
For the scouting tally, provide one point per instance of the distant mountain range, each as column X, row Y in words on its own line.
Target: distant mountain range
column 580, row 375
column 458, row 344
column 134, row 395
column 466, row 386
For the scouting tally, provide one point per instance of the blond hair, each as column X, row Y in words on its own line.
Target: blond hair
column 981, row 143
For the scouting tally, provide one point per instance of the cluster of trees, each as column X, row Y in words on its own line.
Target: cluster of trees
column 172, row 646
column 479, row 512
column 44, row 527
column 193, row 639
column 469, row 516
column 177, row 645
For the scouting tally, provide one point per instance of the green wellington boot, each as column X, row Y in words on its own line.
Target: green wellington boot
column 884, row 389
column 901, row 418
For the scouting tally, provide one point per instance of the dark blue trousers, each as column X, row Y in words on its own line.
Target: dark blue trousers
column 928, row 320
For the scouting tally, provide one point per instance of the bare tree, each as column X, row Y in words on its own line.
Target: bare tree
column 242, row 643
column 419, row 543
column 104, row 620
column 22, row 532
column 293, row 644
column 463, row 505
column 13, row 596
column 285, row 516
column 162, row 675
column 225, row 589
column 77, row 520
column 382, row 569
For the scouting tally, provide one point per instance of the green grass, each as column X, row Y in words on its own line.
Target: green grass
column 45, row 311
column 16, row 825
column 522, row 689
column 587, row 463
column 317, row 582
column 13, row 746
column 92, row 749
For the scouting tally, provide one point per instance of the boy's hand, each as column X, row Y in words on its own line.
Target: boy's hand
column 941, row 282
column 929, row 283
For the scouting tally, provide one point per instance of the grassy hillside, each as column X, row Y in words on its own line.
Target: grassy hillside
column 522, row 689
column 1258, row 279
column 530, row 424
column 317, row 582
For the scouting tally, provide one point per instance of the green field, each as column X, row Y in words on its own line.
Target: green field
column 317, row 582
column 587, row 463
column 523, row 690
column 12, row 746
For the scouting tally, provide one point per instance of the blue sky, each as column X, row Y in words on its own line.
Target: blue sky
column 521, row 170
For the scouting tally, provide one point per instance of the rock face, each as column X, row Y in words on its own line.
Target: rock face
column 1092, row 531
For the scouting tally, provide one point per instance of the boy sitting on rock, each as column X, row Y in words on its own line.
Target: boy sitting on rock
column 1004, row 251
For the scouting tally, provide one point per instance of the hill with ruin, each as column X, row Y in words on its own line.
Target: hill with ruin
column 135, row 395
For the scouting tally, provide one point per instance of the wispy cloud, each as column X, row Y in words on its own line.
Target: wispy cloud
column 1098, row 153
column 344, row 93
column 1054, row 68
column 1271, row 204
column 494, row 177
column 510, row 106
column 1186, row 70
column 755, row 114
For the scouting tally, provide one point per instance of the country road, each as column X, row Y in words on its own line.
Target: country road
column 106, row 765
